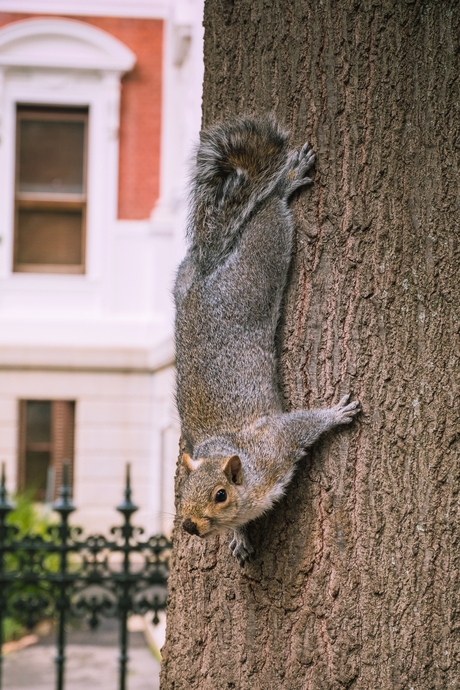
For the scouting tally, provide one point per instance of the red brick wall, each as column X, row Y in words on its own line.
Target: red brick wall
column 140, row 124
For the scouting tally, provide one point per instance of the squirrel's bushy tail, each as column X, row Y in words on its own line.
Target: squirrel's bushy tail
column 238, row 163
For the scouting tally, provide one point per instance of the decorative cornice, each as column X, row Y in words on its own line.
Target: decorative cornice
column 88, row 360
column 147, row 9
column 62, row 43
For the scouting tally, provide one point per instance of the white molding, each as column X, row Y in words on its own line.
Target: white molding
column 127, row 360
column 100, row 92
column 181, row 117
column 147, row 9
column 63, row 43
column 183, row 35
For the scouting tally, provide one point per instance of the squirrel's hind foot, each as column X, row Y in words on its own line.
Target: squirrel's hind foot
column 241, row 546
column 306, row 159
column 300, row 164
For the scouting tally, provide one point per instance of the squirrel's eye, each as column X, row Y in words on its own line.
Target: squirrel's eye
column 221, row 496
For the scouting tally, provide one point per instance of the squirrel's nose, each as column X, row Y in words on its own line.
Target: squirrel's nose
column 190, row 527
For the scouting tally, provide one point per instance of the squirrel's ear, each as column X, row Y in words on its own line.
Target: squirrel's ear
column 232, row 469
column 190, row 464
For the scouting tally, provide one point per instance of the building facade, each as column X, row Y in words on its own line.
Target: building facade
column 99, row 105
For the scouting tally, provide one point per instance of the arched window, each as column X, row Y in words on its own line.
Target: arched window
column 59, row 117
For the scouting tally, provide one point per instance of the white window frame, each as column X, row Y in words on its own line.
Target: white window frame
column 69, row 63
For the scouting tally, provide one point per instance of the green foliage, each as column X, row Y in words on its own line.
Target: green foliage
column 12, row 629
column 31, row 518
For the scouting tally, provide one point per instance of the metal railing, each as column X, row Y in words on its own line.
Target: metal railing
column 67, row 576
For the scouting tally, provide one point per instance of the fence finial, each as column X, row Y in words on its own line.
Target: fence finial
column 5, row 505
column 64, row 504
column 127, row 507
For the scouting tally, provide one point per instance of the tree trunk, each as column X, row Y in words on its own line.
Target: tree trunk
column 355, row 583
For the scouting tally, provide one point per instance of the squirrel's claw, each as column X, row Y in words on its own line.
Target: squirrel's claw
column 241, row 546
column 307, row 159
column 300, row 162
column 345, row 413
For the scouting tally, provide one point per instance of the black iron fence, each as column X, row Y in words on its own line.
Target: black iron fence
column 65, row 575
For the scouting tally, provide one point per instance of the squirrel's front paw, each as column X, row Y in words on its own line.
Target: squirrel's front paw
column 344, row 413
column 241, row 546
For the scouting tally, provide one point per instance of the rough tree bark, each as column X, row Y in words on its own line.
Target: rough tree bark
column 356, row 582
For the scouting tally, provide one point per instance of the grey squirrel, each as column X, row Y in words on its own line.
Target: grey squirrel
column 242, row 448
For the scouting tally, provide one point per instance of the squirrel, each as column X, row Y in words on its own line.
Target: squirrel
column 242, row 447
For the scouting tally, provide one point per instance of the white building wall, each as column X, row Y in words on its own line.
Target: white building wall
column 124, row 413
column 104, row 339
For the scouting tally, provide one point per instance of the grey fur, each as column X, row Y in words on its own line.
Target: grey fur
column 228, row 295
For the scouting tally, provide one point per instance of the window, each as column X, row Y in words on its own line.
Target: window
column 46, row 439
column 50, row 189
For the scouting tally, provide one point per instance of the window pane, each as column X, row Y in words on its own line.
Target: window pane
column 51, row 156
column 38, row 421
column 49, row 237
column 37, row 463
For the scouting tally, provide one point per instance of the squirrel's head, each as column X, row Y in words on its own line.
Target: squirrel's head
column 211, row 495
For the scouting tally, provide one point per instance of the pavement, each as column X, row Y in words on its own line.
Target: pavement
column 92, row 663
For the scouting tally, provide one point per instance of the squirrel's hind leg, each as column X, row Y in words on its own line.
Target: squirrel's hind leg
column 241, row 546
